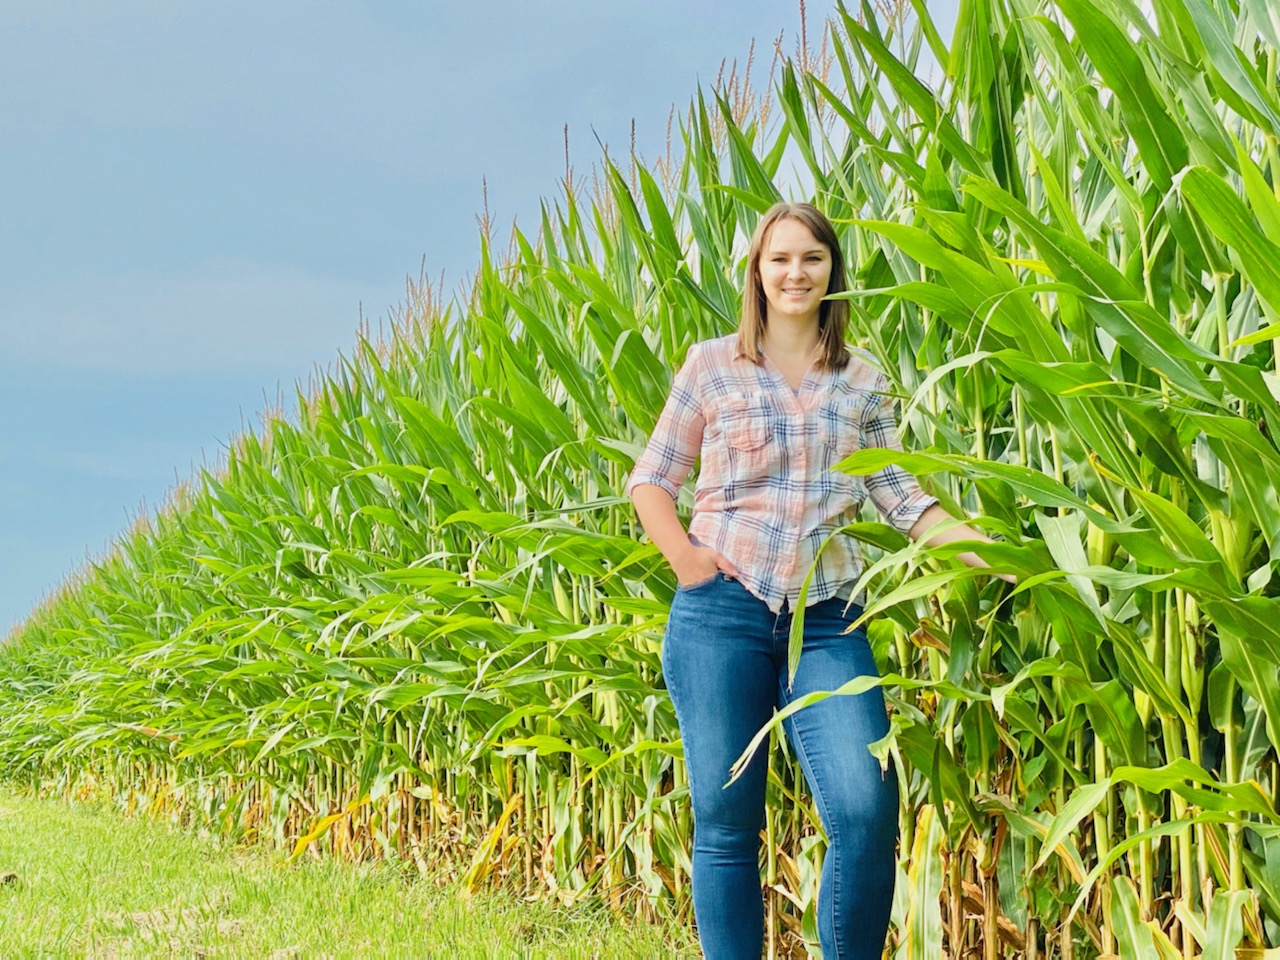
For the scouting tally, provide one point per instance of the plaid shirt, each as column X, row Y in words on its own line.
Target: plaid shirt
column 766, row 496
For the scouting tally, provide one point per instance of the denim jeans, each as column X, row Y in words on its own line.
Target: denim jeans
column 724, row 659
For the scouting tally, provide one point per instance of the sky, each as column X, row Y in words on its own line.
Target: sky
column 201, row 200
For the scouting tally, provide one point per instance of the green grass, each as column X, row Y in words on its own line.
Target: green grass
column 88, row 882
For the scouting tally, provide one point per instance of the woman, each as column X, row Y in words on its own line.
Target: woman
column 770, row 409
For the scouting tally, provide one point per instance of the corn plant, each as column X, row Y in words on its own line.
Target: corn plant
column 416, row 619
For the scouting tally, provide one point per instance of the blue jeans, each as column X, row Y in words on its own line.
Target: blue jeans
column 724, row 659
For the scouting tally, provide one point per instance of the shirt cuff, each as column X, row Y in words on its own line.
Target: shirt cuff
column 906, row 513
column 672, row 490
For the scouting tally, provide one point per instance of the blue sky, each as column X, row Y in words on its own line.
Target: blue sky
column 200, row 199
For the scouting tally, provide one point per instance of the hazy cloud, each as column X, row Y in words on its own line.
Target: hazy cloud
column 121, row 460
column 229, row 318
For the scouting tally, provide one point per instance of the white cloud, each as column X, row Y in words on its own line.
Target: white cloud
column 226, row 319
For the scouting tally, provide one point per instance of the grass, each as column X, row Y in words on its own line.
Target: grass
column 78, row 880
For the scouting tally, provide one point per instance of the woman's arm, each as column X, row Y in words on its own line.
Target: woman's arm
column 657, row 514
column 934, row 515
column 661, row 470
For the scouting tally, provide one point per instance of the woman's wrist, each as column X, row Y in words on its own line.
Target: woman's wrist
column 681, row 559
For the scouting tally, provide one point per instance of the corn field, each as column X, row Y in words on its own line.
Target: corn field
column 415, row 617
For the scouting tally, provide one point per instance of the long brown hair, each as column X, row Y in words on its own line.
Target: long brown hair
column 833, row 315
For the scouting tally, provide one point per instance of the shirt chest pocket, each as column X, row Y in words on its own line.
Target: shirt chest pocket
column 747, row 429
column 746, row 422
column 840, row 425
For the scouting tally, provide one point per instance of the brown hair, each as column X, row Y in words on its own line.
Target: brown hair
column 833, row 315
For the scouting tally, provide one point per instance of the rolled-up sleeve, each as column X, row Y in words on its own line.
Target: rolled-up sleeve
column 677, row 436
column 895, row 493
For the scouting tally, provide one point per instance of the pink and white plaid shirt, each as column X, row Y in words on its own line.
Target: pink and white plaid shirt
column 766, row 496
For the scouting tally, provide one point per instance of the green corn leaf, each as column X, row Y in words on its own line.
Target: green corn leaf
column 1157, row 135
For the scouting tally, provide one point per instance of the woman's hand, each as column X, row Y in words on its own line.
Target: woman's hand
column 697, row 564
column 934, row 515
column 691, row 564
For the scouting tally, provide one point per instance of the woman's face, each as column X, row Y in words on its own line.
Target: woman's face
column 795, row 270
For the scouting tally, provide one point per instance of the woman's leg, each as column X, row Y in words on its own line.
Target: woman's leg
column 858, row 803
column 717, row 660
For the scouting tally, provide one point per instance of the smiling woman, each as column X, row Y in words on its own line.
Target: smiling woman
column 768, row 429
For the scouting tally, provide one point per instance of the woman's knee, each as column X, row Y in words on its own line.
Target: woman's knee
column 866, row 805
column 733, row 812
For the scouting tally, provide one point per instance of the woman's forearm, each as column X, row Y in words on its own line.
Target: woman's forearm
column 935, row 515
column 657, row 514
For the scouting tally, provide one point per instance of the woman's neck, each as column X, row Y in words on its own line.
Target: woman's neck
column 787, row 337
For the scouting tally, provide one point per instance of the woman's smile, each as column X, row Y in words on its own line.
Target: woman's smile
column 795, row 270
